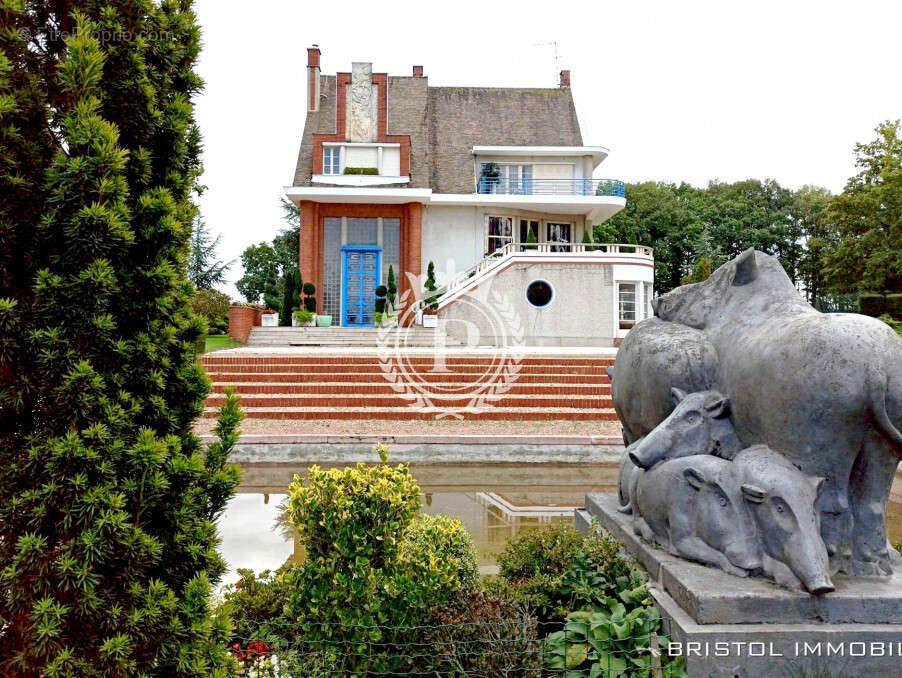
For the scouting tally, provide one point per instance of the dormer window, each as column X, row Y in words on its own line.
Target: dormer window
column 332, row 160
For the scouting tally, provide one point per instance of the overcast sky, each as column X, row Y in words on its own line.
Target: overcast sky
column 679, row 91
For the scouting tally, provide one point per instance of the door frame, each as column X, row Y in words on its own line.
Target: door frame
column 345, row 249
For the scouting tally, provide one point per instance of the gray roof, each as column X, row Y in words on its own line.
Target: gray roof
column 444, row 123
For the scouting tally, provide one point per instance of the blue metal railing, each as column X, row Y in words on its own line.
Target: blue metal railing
column 524, row 186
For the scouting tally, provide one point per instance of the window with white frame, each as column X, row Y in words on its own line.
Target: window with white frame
column 626, row 301
column 499, row 232
column 331, row 160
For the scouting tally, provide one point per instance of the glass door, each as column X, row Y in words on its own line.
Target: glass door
column 528, row 227
column 558, row 236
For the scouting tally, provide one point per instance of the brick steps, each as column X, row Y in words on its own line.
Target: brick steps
column 380, row 376
column 422, row 368
column 409, row 358
column 354, row 386
column 339, row 387
column 395, row 400
column 366, row 413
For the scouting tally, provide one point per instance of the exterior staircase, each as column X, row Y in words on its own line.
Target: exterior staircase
column 354, row 386
column 412, row 337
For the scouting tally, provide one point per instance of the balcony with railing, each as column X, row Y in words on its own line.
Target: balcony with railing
column 526, row 252
column 489, row 185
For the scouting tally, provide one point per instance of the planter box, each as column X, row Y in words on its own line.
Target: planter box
column 269, row 320
column 324, row 321
column 430, row 320
column 297, row 323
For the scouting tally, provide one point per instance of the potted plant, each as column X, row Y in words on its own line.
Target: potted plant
column 489, row 177
column 302, row 318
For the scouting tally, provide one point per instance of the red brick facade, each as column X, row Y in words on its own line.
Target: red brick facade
column 381, row 82
column 311, row 244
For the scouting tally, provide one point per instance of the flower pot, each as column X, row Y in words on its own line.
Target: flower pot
column 324, row 321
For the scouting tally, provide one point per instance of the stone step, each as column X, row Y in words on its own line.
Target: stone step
column 338, row 387
column 365, row 414
column 567, row 401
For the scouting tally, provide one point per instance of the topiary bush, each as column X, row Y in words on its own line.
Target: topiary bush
column 447, row 539
column 309, row 298
column 381, row 291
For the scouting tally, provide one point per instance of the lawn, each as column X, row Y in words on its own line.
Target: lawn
column 217, row 342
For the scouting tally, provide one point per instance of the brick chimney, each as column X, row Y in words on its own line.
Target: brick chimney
column 313, row 55
column 418, row 71
column 565, row 79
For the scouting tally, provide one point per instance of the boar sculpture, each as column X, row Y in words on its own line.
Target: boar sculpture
column 824, row 390
column 693, row 507
column 699, row 424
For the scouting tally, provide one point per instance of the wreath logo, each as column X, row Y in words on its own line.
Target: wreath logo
column 429, row 383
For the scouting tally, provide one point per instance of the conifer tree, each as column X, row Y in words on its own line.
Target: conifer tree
column 108, row 501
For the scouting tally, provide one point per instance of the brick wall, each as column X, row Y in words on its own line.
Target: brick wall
column 241, row 320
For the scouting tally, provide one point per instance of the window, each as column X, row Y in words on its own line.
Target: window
column 558, row 233
column 539, row 293
column 529, row 228
column 331, row 160
column 507, row 179
column 500, row 233
column 627, row 305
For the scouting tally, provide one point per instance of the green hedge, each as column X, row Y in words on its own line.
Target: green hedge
column 361, row 170
column 876, row 305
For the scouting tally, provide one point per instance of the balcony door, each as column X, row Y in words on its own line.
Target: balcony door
column 558, row 236
column 527, row 227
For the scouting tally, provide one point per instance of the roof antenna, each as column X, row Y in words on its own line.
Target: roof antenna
column 557, row 56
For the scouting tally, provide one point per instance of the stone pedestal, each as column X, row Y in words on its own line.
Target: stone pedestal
column 731, row 627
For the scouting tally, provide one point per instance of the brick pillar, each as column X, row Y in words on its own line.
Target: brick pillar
column 413, row 247
column 308, row 247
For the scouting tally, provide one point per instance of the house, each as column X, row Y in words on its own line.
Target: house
column 494, row 185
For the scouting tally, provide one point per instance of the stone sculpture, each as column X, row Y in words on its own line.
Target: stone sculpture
column 699, row 424
column 693, row 507
column 825, row 390
column 658, row 356
column 803, row 420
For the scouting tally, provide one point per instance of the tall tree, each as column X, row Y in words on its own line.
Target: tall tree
column 868, row 217
column 107, row 498
column 266, row 264
column 262, row 276
column 205, row 270
column 809, row 212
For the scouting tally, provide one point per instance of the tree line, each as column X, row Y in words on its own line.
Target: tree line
column 830, row 245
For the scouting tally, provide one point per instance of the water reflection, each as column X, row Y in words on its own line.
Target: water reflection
column 494, row 501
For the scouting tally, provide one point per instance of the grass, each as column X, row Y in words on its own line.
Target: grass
column 217, row 342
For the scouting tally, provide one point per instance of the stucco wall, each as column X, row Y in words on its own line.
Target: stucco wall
column 454, row 236
column 580, row 314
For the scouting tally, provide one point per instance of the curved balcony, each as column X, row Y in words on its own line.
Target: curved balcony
column 526, row 186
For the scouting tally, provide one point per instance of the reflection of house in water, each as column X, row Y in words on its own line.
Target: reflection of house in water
column 506, row 518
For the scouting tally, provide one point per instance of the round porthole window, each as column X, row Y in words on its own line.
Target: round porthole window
column 539, row 293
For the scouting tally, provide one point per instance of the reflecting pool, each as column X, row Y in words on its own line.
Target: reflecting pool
column 494, row 501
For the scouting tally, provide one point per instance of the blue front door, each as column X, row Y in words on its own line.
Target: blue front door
column 360, row 275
